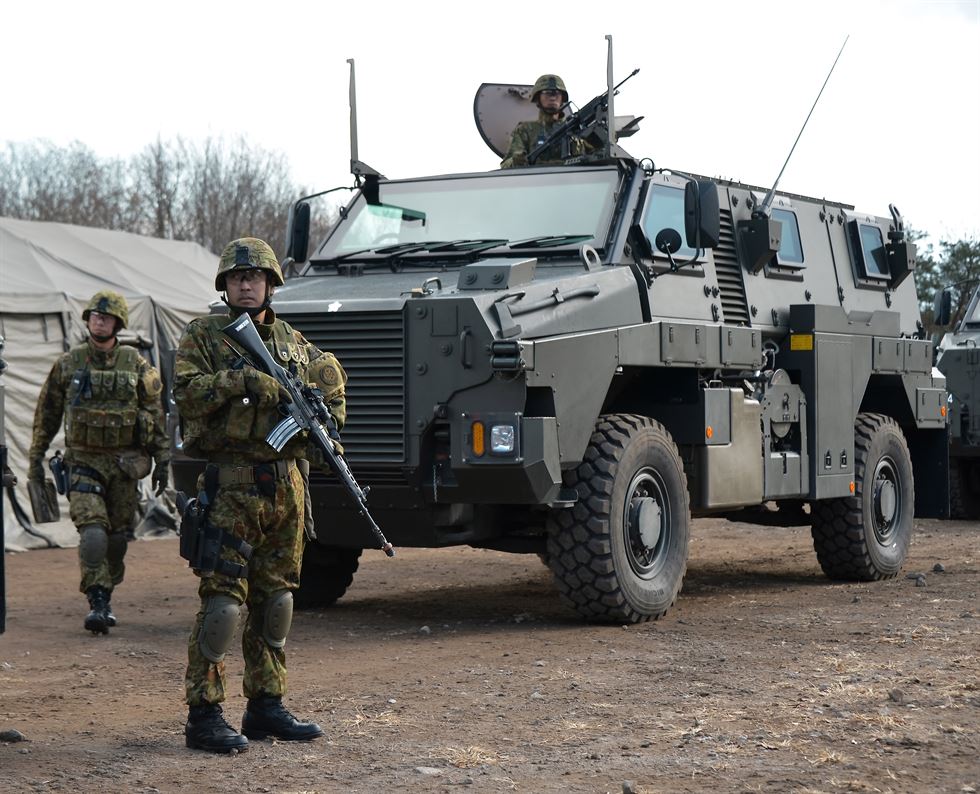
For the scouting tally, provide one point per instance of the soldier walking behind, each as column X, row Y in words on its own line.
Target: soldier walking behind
column 255, row 495
column 110, row 399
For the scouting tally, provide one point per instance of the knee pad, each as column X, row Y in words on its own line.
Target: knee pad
column 277, row 616
column 221, row 614
column 93, row 543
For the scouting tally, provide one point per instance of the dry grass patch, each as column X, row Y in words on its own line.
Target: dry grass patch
column 362, row 723
column 466, row 757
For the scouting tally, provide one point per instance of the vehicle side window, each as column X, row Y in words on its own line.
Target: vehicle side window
column 868, row 250
column 790, row 252
column 665, row 210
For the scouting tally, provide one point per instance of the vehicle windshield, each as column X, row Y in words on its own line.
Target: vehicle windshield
column 973, row 317
column 506, row 207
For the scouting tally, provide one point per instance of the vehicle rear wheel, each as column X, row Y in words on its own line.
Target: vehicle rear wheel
column 327, row 573
column 866, row 536
column 620, row 554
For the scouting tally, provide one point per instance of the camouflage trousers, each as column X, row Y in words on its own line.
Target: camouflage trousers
column 114, row 510
column 273, row 526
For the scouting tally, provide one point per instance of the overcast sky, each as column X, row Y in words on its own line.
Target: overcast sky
column 724, row 86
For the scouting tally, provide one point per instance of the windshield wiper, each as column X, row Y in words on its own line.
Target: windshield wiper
column 392, row 255
column 551, row 240
column 480, row 244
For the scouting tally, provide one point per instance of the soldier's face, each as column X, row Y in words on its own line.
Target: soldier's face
column 549, row 100
column 101, row 326
column 246, row 288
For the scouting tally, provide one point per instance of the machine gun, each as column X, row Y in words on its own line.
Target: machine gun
column 591, row 116
column 305, row 411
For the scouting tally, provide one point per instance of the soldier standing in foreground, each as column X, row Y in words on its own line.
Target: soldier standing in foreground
column 110, row 399
column 549, row 95
column 256, row 495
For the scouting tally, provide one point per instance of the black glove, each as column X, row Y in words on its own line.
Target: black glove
column 161, row 477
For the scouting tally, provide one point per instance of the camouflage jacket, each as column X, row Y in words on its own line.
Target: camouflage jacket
column 110, row 401
column 220, row 422
column 528, row 134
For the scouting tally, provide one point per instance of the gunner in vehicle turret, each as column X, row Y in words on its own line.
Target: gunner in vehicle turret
column 551, row 97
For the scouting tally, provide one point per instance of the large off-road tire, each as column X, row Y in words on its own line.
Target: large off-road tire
column 866, row 536
column 620, row 554
column 964, row 489
column 327, row 573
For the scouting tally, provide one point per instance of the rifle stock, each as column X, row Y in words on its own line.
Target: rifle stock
column 306, row 411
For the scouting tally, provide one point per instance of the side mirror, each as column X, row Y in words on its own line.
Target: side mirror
column 298, row 233
column 702, row 220
column 942, row 309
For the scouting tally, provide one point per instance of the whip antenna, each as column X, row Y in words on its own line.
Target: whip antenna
column 767, row 203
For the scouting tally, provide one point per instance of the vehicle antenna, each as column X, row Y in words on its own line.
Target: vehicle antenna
column 767, row 202
column 357, row 168
column 611, row 92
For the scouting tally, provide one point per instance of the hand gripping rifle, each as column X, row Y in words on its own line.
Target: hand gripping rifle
column 305, row 411
column 580, row 124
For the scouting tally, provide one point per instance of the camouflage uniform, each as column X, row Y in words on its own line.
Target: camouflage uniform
column 528, row 134
column 114, row 423
column 226, row 415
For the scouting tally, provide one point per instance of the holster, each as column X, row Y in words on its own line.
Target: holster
column 201, row 540
column 44, row 501
column 59, row 470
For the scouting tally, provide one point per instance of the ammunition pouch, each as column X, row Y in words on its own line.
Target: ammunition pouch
column 59, row 470
column 201, row 541
column 134, row 463
column 44, row 501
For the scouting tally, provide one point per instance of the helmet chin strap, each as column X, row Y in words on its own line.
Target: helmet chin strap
column 101, row 337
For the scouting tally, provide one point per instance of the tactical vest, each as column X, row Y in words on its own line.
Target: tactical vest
column 102, row 405
column 239, row 428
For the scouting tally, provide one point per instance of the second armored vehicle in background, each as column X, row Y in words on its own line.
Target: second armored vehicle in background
column 958, row 358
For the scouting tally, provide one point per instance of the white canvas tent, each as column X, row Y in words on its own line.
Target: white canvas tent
column 48, row 272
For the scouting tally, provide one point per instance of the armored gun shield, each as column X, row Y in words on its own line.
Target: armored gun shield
column 498, row 108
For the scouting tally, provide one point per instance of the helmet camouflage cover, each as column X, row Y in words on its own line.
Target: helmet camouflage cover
column 244, row 254
column 549, row 82
column 106, row 301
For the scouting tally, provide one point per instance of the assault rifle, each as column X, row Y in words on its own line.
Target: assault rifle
column 579, row 125
column 304, row 411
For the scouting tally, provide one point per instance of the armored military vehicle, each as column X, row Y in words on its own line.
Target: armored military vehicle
column 573, row 360
column 958, row 358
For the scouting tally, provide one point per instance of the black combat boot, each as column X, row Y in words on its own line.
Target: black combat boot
column 206, row 729
column 266, row 716
column 110, row 619
column 97, row 620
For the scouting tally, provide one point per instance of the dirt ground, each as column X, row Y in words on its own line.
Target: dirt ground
column 460, row 670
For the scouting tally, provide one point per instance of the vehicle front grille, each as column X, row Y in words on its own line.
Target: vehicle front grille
column 735, row 310
column 371, row 348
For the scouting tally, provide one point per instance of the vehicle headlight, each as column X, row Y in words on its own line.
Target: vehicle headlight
column 502, row 439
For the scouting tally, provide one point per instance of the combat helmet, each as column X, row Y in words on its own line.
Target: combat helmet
column 246, row 253
column 549, row 82
column 105, row 301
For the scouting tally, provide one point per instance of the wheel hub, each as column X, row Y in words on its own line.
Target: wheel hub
column 885, row 501
column 645, row 520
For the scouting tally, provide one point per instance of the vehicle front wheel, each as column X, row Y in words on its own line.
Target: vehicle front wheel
column 620, row 553
column 326, row 574
column 866, row 536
